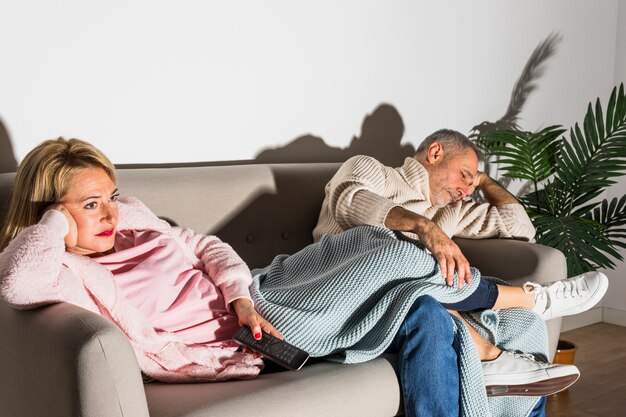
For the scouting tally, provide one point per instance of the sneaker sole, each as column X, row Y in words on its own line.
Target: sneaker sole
column 535, row 389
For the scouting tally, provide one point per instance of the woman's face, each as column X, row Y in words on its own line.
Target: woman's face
column 91, row 200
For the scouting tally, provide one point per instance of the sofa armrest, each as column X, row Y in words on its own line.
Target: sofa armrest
column 62, row 360
column 514, row 260
column 517, row 262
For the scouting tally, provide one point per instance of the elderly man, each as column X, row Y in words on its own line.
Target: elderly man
column 428, row 200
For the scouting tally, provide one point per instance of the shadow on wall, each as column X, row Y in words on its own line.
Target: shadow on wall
column 382, row 130
column 8, row 163
column 381, row 134
column 525, row 85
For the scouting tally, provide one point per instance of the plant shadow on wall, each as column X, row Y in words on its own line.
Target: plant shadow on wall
column 381, row 136
column 525, row 85
column 564, row 179
column 382, row 130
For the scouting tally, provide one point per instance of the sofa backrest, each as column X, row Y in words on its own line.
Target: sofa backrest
column 260, row 210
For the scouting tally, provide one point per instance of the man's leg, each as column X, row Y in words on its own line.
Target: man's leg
column 540, row 409
column 427, row 361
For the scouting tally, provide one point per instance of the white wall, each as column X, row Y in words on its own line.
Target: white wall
column 160, row 81
column 615, row 301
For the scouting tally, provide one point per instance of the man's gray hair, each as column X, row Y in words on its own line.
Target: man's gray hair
column 452, row 142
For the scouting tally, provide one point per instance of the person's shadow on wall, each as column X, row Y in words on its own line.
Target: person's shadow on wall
column 381, row 136
column 8, row 163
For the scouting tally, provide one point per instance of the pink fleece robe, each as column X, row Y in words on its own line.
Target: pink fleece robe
column 36, row 270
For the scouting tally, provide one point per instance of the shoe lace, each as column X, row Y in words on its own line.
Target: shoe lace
column 569, row 289
column 522, row 355
column 561, row 289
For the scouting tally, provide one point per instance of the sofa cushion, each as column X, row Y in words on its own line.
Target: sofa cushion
column 320, row 389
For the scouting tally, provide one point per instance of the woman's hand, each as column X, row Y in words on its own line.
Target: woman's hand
column 71, row 238
column 248, row 316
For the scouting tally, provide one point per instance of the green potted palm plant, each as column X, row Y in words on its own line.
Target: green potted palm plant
column 565, row 178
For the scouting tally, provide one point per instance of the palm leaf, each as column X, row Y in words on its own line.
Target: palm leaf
column 582, row 241
column 594, row 154
column 548, row 200
column 525, row 155
column 612, row 216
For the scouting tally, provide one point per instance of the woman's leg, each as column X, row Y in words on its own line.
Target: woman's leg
column 486, row 350
column 556, row 299
column 511, row 373
column 490, row 295
column 485, row 297
column 510, row 297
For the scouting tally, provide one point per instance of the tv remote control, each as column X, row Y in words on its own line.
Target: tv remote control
column 273, row 348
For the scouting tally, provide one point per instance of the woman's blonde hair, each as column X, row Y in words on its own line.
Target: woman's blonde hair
column 44, row 177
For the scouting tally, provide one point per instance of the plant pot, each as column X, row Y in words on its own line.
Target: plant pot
column 565, row 352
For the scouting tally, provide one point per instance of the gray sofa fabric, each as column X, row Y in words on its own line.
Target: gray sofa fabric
column 61, row 360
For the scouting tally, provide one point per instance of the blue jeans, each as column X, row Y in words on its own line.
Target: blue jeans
column 540, row 409
column 483, row 298
column 427, row 361
column 428, row 364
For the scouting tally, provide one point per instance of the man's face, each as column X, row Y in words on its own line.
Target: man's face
column 452, row 178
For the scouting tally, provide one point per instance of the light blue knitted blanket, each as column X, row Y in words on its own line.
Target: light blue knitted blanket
column 346, row 296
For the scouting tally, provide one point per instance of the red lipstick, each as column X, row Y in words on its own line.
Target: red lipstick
column 106, row 233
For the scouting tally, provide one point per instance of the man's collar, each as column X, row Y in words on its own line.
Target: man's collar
column 416, row 176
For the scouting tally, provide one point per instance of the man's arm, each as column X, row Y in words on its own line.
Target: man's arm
column 447, row 253
column 495, row 194
column 355, row 194
column 501, row 216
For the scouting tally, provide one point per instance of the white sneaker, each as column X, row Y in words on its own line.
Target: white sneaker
column 521, row 375
column 568, row 296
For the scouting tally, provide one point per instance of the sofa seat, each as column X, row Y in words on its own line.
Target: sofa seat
column 319, row 389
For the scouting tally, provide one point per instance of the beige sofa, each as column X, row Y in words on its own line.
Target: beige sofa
column 61, row 360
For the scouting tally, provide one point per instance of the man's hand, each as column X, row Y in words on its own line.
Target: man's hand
column 447, row 253
column 248, row 316
column 478, row 180
column 495, row 194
